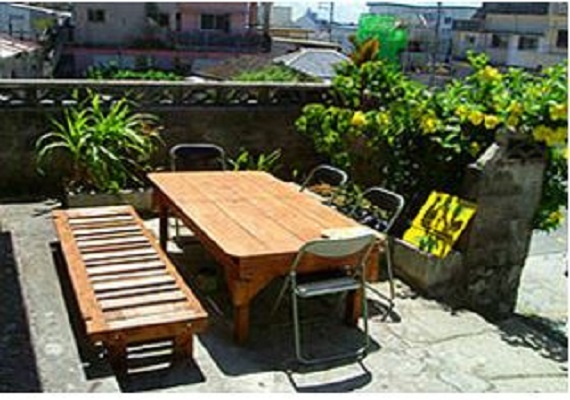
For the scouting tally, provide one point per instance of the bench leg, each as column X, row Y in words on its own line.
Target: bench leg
column 118, row 355
column 183, row 345
column 353, row 307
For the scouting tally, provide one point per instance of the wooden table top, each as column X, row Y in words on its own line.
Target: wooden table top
column 249, row 213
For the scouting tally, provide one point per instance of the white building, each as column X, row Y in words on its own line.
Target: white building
column 516, row 34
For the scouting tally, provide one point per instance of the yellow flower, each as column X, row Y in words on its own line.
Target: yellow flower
column 474, row 148
column 462, row 111
column 540, row 133
column 515, row 108
column 476, row 117
column 490, row 74
column 558, row 112
column 556, row 217
column 557, row 137
column 491, row 121
column 383, row 118
column 358, row 119
column 512, row 121
column 429, row 124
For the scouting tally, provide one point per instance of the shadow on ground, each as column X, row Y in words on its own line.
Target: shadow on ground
column 271, row 344
column 535, row 333
column 150, row 366
column 18, row 369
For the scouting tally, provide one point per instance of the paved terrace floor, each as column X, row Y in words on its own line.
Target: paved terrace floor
column 421, row 346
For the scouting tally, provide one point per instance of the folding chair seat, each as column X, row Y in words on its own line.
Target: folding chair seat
column 343, row 279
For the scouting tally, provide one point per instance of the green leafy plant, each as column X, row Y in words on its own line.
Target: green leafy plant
column 262, row 162
column 113, row 72
column 392, row 130
column 103, row 149
column 274, row 73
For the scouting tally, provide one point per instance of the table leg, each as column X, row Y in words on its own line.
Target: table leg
column 241, row 323
column 163, row 224
column 353, row 306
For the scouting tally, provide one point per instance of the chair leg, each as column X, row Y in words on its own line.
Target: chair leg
column 280, row 296
column 389, row 267
column 296, row 327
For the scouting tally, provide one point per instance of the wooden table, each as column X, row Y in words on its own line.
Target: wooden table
column 253, row 225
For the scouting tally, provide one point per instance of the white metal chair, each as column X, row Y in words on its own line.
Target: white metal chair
column 352, row 278
column 379, row 209
column 326, row 174
column 196, row 157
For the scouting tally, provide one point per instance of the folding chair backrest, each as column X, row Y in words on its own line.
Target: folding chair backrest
column 325, row 174
column 337, row 248
column 198, row 156
column 384, row 207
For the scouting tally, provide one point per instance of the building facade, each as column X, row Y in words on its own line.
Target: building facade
column 162, row 35
column 528, row 35
column 24, row 22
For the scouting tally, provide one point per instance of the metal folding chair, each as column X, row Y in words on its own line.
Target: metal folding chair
column 196, row 157
column 326, row 174
column 379, row 209
column 351, row 278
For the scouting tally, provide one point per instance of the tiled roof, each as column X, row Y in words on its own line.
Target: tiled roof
column 9, row 46
column 313, row 62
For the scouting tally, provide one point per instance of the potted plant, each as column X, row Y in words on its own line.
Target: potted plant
column 102, row 152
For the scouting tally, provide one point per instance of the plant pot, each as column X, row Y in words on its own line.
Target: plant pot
column 426, row 272
column 141, row 199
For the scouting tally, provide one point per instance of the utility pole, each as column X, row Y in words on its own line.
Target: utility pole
column 435, row 45
column 330, row 7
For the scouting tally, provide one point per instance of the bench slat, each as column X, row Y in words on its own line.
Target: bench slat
column 118, row 254
column 97, row 242
column 143, row 311
column 120, row 268
column 131, row 281
column 115, row 294
column 141, row 300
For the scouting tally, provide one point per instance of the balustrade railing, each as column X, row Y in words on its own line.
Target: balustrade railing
column 47, row 93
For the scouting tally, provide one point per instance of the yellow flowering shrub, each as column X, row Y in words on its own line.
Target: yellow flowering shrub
column 422, row 138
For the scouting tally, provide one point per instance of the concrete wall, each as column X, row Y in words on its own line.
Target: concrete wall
column 258, row 129
column 506, row 185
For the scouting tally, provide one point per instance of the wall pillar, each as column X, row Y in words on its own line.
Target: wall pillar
column 506, row 183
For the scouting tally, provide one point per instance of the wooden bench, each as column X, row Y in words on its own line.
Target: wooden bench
column 127, row 290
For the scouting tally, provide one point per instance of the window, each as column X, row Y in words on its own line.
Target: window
column 528, row 43
column 562, row 39
column 500, row 41
column 163, row 20
column 215, row 22
column 447, row 20
column 178, row 22
column 95, row 15
column 471, row 39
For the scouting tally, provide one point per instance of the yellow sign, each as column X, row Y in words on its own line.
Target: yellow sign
column 439, row 223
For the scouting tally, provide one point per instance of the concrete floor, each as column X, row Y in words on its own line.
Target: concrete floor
column 420, row 346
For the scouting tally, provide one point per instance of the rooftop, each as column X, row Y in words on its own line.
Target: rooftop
column 314, row 62
column 9, row 47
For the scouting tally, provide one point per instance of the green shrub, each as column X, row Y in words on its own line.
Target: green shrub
column 422, row 140
column 274, row 73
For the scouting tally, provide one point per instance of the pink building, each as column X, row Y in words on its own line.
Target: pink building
column 162, row 35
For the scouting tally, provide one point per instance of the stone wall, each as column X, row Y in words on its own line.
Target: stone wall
column 506, row 183
column 259, row 118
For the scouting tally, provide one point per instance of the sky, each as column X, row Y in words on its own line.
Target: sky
column 350, row 10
